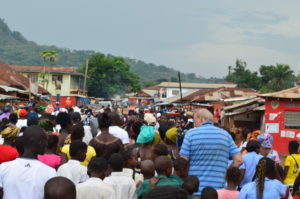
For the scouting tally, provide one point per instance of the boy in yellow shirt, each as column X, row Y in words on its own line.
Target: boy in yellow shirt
column 292, row 163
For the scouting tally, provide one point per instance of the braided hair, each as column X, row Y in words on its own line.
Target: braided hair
column 265, row 168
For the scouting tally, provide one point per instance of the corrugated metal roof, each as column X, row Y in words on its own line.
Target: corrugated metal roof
column 291, row 93
column 11, row 89
column 7, row 97
column 245, row 103
column 195, row 85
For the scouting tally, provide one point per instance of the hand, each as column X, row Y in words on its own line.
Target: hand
column 154, row 181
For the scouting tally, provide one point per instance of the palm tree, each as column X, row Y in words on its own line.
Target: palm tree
column 47, row 55
column 282, row 77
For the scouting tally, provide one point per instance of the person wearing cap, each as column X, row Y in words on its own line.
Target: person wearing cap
column 7, row 150
column 22, row 121
column 266, row 144
column 171, row 140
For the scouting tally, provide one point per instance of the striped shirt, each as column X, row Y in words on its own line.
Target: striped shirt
column 208, row 149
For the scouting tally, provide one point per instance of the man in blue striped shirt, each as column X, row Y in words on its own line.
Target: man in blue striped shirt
column 208, row 149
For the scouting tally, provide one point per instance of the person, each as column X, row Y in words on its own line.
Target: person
column 209, row 193
column 22, row 121
column 292, row 163
column 25, row 177
column 130, row 161
column 147, row 169
column 50, row 157
column 106, row 144
column 73, row 170
column 163, row 166
column 65, row 122
column 171, row 140
column 58, row 188
column 123, row 185
column 94, row 187
column 233, row 179
column 76, row 118
column 250, row 160
column 7, row 150
column 166, row 192
column 47, row 125
column 265, row 184
column 159, row 150
column 208, row 149
column 77, row 135
column 266, row 144
column 181, row 169
column 114, row 128
column 191, row 185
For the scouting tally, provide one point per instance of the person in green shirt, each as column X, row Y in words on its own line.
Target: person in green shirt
column 181, row 169
column 163, row 166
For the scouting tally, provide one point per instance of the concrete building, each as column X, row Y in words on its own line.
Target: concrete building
column 60, row 80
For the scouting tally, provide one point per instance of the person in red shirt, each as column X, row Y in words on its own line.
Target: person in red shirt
column 7, row 151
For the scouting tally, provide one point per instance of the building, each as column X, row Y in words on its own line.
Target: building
column 282, row 117
column 170, row 89
column 61, row 80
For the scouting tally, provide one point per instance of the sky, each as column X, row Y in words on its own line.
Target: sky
column 195, row 36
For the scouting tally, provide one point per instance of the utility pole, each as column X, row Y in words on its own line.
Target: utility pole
column 85, row 75
column 179, row 79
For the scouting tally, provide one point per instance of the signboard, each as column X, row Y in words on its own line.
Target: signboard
column 272, row 128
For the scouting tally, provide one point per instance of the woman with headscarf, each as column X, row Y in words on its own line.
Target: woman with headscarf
column 171, row 140
column 266, row 144
column 7, row 150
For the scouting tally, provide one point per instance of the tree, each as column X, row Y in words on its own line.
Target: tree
column 109, row 76
column 242, row 76
column 50, row 56
column 174, row 79
column 276, row 78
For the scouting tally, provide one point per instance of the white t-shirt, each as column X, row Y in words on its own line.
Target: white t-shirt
column 24, row 178
column 74, row 171
column 21, row 123
column 95, row 188
column 119, row 133
column 87, row 134
column 123, row 185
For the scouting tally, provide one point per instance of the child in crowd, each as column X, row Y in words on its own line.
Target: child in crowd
column 77, row 135
column 233, row 179
column 209, row 193
column 266, row 144
column 148, row 169
column 50, row 157
column 163, row 166
column 265, row 184
column 250, row 161
column 73, row 170
column 181, row 169
column 292, row 163
column 130, row 161
column 166, row 192
column 58, row 188
column 191, row 185
column 94, row 187
column 159, row 150
column 123, row 185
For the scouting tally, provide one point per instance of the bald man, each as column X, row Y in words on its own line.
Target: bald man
column 148, row 169
column 208, row 149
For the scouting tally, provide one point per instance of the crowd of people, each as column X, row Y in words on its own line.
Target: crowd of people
column 78, row 153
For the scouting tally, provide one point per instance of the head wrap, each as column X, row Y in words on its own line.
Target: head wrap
column 49, row 109
column 42, row 108
column 23, row 113
column 46, row 124
column 10, row 132
column 266, row 140
column 149, row 118
column 171, row 135
column 146, row 135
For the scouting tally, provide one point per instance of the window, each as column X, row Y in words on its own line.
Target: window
column 33, row 77
column 292, row 119
column 175, row 92
column 57, row 80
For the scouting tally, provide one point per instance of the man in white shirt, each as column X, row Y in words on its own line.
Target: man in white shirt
column 123, row 185
column 25, row 177
column 115, row 130
column 60, row 187
column 95, row 188
column 73, row 170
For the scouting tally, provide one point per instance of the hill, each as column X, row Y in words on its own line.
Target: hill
column 16, row 49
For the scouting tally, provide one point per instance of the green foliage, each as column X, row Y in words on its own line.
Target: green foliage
column 174, row 79
column 49, row 55
column 242, row 76
column 271, row 78
column 110, row 75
